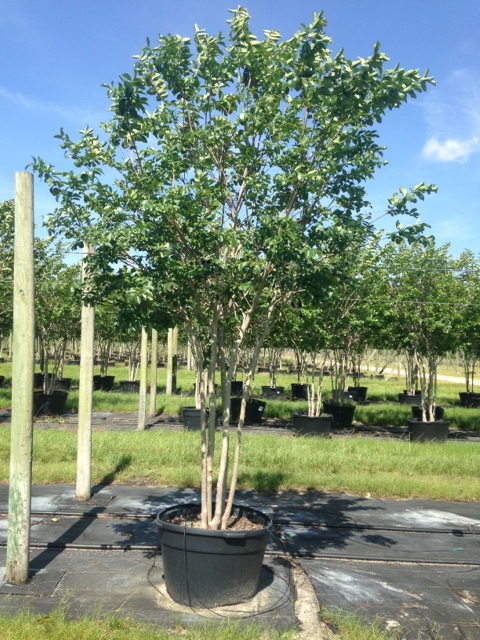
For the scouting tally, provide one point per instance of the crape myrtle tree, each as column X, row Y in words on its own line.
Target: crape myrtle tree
column 350, row 316
column 223, row 162
column 421, row 313
column 57, row 306
column 468, row 316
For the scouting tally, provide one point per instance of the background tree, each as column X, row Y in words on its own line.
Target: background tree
column 468, row 316
column 7, row 212
column 57, row 306
column 231, row 158
column 421, row 299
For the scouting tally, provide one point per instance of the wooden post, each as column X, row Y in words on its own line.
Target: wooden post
column 19, row 502
column 153, row 374
column 142, row 395
column 85, row 395
column 172, row 361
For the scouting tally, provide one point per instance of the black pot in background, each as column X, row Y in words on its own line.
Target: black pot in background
column 2, row 380
column 52, row 404
column 428, row 431
column 209, row 568
column 236, row 388
column 359, row 394
column 470, row 400
column 129, row 387
column 191, row 418
column 38, row 379
column 342, row 414
column 272, row 392
column 253, row 410
column 417, row 412
column 312, row 425
column 106, row 383
column 300, row 391
column 405, row 398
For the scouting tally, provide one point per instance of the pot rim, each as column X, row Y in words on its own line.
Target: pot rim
column 222, row 533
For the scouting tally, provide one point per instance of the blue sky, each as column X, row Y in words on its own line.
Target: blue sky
column 57, row 53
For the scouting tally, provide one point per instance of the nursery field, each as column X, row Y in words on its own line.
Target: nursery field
column 389, row 468
column 382, row 407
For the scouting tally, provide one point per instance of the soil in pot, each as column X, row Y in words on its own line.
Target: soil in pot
column 206, row 568
column 312, row 425
column 342, row 414
column 253, row 411
column 428, row 431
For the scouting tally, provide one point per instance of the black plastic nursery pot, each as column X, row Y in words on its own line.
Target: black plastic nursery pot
column 236, row 388
column 272, row 392
column 38, row 379
column 359, row 394
column 253, row 411
column 300, row 391
column 191, row 418
column 405, row 398
column 52, row 404
column 127, row 386
column 428, row 431
column 342, row 414
column 470, row 400
column 209, row 568
column 312, row 425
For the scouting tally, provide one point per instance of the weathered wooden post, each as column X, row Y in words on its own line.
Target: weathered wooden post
column 172, row 361
column 85, row 394
column 142, row 395
column 23, row 362
column 152, row 410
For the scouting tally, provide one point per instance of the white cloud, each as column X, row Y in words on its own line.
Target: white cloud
column 450, row 150
column 452, row 112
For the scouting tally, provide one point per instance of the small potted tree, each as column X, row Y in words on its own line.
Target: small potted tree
column 57, row 321
column 467, row 326
column 421, row 287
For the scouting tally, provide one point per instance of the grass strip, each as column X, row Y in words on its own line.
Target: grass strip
column 389, row 469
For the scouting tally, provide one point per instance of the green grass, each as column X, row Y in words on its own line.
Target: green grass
column 393, row 469
column 58, row 626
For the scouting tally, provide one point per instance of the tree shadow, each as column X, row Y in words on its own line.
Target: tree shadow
column 124, row 462
column 328, row 524
column 81, row 524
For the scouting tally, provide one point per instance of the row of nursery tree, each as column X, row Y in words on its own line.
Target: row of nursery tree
column 414, row 299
